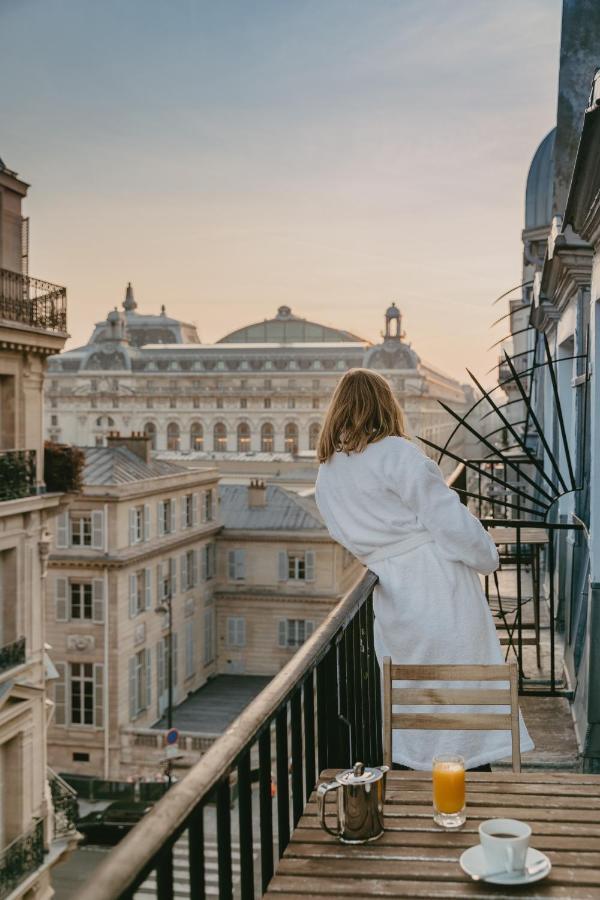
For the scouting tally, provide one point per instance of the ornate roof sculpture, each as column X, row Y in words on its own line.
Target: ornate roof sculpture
column 286, row 328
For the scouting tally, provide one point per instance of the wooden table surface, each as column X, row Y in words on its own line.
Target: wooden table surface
column 415, row 858
column 508, row 535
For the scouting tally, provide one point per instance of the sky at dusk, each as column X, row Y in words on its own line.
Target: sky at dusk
column 228, row 157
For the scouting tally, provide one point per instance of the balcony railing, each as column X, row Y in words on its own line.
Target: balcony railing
column 322, row 710
column 64, row 803
column 13, row 654
column 17, row 474
column 32, row 302
column 21, row 858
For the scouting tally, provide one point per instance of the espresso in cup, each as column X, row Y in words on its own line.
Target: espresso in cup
column 505, row 843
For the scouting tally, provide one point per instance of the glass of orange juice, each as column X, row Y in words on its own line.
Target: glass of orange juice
column 449, row 791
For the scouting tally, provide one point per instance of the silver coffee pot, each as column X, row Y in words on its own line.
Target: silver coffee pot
column 360, row 796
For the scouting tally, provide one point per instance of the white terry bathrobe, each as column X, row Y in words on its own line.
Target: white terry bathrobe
column 391, row 507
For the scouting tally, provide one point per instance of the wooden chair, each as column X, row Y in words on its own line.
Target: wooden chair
column 450, row 696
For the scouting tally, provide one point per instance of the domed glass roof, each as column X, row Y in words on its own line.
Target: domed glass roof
column 286, row 328
column 538, row 194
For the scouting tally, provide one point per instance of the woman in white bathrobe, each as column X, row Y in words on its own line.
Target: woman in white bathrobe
column 389, row 505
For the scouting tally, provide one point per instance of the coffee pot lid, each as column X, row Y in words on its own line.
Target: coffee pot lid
column 359, row 774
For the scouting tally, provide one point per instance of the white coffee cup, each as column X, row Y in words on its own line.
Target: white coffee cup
column 505, row 843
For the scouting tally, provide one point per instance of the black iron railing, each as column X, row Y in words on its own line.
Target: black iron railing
column 64, row 804
column 322, row 710
column 13, row 654
column 21, row 858
column 17, row 474
column 30, row 301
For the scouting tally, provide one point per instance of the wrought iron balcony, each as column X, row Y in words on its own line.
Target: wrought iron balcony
column 32, row 302
column 64, row 802
column 13, row 654
column 17, row 474
column 21, row 858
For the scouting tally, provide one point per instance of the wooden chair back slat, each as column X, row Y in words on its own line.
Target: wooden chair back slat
column 450, row 696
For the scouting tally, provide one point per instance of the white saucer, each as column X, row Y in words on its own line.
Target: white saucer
column 473, row 863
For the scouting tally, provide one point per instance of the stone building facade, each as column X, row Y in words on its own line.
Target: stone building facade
column 32, row 327
column 132, row 572
column 260, row 389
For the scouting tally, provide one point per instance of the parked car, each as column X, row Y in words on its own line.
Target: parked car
column 109, row 825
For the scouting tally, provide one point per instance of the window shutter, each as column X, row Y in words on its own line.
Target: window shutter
column 60, row 695
column 98, row 695
column 173, row 573
column 62, row 530
column 98, row 600
column 240, row 637
column 194, row 509
column 183, row 511
column 148, row 678
column 146, row 522
column 184, row 572
column 203, row 506
column 175, row 657
column 132, row 596
column 148, row 588
column 231, row 564
column 173, row 515
column 213, row 504
column 61, row 587
column 203, row 552
column 161, row 518
column 97, row 529
column 194, row 578
column 240, row 564
column 309, row 565
column 132, row 691
column 230, row 631
column 309, row 628
column 132, row 528
column 283, row 565
column 189, row 649
column 160, row 667
column 282, row 640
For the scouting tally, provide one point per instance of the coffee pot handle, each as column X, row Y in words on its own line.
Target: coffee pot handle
column 322, row 790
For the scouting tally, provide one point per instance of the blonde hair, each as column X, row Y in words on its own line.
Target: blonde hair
column 363, row 410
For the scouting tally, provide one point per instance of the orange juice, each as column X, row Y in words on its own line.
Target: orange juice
column 448, row 786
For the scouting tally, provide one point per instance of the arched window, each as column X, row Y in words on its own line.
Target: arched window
column 291, row 438
column 150, row 431
column 220, row 436
column 243, row 437
column 267, row 438
column 313, row 435
column 196, row 436
column 173, row 436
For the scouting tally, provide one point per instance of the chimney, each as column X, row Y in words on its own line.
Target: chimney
column 137, row 442
column 257, row 494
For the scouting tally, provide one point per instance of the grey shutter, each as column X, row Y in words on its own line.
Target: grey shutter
column 203, row 506
column 183, row 519
column 230, row 631
column 159, row 585
column 184, row 572
column 189, row 648
column 147, row 522
column 132, row 690
column 194, row 578
column 98, row 695
column 60, row 694
column 97, row 529
column 231, row 565
column 173, row 573
column 282, row 638
column 60, row 596
column 132, row 524
column 240, row 636
column 148, row 588
column 309, row 565
column 194, row 509
column 173, row 515
column 160, row 667
column 309, row 628
column 283, row 565
column 62, row 530
column 148, row 678
column 203, row 552
column 132, row 596
column 240, row 564
column 175, row 657
column 98, row 600
column 161, row 518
